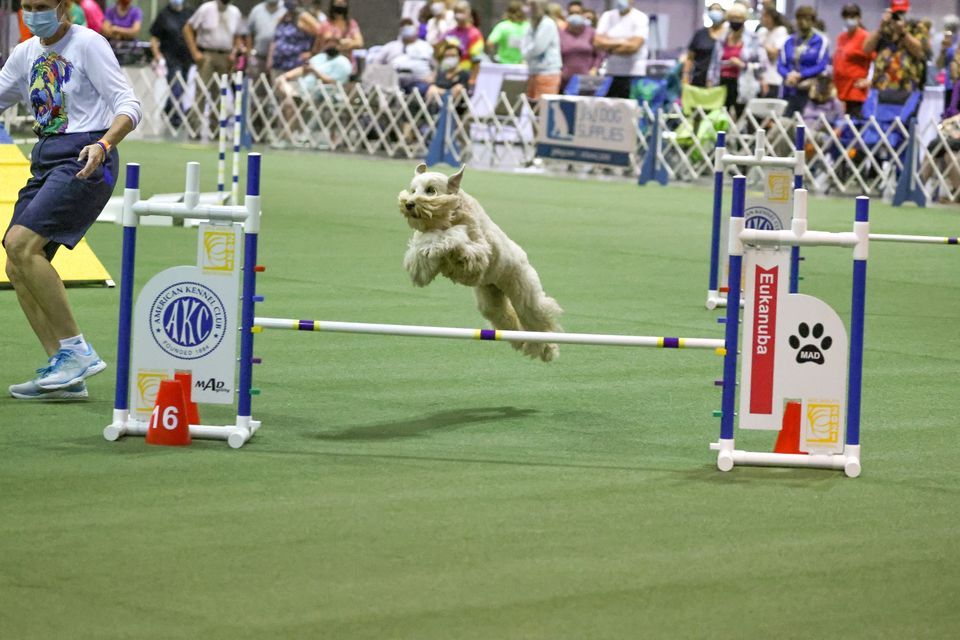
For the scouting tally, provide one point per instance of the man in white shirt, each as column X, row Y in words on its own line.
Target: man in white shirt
column 410, row 57
column 261, row 26
column 214, row 37
column 622, row 32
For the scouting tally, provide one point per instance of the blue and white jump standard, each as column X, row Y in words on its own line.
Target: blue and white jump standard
column 775, row 368
column 186, row 317
column 771, row 213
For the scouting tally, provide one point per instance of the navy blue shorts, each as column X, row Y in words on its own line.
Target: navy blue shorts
column 56, row 204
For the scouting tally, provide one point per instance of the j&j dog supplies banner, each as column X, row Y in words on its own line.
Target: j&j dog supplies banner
column 586, row 129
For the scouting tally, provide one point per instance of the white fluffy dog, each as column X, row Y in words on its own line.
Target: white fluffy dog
column 454, row 237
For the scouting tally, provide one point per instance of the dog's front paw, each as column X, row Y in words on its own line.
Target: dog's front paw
column 543, row 351
column 473, row 258
column 421, row 268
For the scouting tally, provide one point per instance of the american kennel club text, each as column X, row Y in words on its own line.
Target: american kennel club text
column 188, row 320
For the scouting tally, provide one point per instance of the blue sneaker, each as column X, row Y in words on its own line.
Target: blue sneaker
column 68, row 368
column 30, row 391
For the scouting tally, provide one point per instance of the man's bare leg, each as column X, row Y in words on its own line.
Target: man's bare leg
column 29, row 269
column 33, row 312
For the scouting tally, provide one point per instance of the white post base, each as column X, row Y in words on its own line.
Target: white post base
column 714, row 300
column 728, row 457
column 236, row 435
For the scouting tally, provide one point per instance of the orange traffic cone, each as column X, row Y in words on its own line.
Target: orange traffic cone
column 788, row 440
column 168, row 422
column 186, row 381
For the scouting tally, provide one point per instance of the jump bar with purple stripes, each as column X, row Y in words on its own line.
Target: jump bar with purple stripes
column 489, row 334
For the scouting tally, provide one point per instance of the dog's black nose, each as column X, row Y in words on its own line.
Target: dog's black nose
column 410, row 206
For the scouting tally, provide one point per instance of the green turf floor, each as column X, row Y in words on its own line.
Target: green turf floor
column 407, row 488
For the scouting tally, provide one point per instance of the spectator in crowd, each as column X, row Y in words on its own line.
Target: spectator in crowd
column 93, row 14
column 505, row 41
column 293, row 39
column 734, row 61
column 441, row 21
column 575, row 8
column 423, row 19
column 261, row 27
column 121, row 27
column 470, row 38
column 214, row 37
column 579, row 55
column 805, row 56
column 314, row 8
column 411, row 58
column 772, row 35
column 591, row 15
column 901, row 49
column 341, row 26
column 450, row 76
column 77, row 16
column 541, row 50
column 823, row 102
column 951, row 24
column 700, row 50
column 170, row 49
column 555, row 10
column 622, row 33
column 851, row 65
column 330, row 66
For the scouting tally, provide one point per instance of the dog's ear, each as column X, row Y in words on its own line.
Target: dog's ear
column 421, row 168
column 453, row 182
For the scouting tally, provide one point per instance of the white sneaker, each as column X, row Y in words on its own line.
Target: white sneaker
column 30, row 391
column 69, row 368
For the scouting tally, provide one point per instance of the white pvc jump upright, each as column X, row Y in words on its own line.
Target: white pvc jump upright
column 124, row 421
column 741, row 241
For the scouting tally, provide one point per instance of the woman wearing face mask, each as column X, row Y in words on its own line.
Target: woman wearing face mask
column 541, row 50
column 851, row 65
column 700, row 50
column 450, row 75
column 441, row 20
column 805, row 56
column 579, row 55
column 83, row 107
column 121, row 26
column 734, row 61
column 344, row 28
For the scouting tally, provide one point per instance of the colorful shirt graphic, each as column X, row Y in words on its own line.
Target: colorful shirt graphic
column 48, row 74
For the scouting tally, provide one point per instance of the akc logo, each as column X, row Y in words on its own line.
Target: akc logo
column 762, row 218
column 188, row 320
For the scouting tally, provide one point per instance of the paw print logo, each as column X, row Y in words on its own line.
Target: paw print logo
column 811, row 352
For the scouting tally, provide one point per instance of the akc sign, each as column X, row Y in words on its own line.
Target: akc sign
column 585, row 129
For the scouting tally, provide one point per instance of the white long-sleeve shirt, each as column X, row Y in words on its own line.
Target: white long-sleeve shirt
column 73, row 86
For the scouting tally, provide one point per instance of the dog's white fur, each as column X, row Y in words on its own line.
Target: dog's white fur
column 455, row 238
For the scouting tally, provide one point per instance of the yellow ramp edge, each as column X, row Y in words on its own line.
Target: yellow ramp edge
column 78, row 267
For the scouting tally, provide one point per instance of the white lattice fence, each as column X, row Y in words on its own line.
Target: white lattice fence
column 842, row 157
